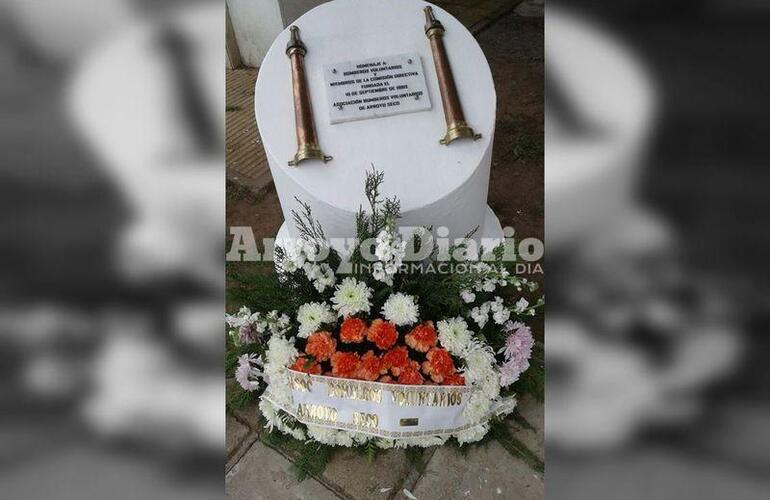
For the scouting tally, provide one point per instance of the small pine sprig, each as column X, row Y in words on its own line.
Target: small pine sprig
column 309, row 228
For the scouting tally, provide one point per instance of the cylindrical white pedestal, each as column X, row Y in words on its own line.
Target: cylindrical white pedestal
column 437, row 185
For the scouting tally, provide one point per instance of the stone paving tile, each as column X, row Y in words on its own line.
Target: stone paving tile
column 235, row 433
column 251, row 416
column 485, row 472
column 532, row 412
column 263, row 473
column 353, row 475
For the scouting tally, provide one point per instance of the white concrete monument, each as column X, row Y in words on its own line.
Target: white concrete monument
column 376, row 101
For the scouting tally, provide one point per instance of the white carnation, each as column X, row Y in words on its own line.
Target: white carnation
column 352, row 297
column 454, row 335
column 480, row 314
column 501, row 316
column 468, row 296
column 475, row 433
column 477, row 408
column 521, row 305
column 311, row 316
column 401, row 310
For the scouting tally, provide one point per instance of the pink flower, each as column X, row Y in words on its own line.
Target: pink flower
column 245, row 372
column 517, row 351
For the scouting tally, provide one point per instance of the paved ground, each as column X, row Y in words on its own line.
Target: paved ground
column 513, row 45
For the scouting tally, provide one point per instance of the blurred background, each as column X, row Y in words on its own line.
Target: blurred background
column 111, row 202
column 656, row 206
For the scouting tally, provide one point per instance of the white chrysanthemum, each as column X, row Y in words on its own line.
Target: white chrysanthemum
column 385, row 444
column 477, row 408
column 280, row 354
column 479, row 361
column 490, row 386
column 475, row 433
column 454, row 335
column 328, row 436
column 423, row 442
column 311, row 316
column 270, row 412
column 401, row 310
column 352, row 297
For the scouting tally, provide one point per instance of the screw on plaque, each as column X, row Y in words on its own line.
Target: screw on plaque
column 409, row 61
column 334, row 70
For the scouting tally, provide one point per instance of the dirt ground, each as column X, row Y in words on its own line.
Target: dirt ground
column 514, row 48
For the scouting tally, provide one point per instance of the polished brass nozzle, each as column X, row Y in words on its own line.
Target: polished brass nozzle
column 457, row 128
column 307, row 140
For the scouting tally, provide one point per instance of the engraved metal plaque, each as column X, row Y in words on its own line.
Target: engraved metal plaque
column 376, row 87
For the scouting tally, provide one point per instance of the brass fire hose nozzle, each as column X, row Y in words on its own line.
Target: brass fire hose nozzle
column 307, row 140
column 457, row 128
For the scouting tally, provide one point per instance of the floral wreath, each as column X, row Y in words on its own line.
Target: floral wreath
column 384, row 327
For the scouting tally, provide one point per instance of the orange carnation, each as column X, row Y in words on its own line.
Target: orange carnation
column 386, row 379
column 410, row 376
column 321, row 345
column 306, row 365
column 345, row 364
column 454, row 379
column 438, row 364
column 370, row 367
column 353, row 330
column 422, row 337
column 382, row 333
column 396, row 359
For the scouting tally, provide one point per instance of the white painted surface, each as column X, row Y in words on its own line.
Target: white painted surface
column 376, row 87
column 256, row 23
column 437, row 185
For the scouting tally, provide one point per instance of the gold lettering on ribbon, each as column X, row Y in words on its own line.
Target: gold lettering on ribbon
column 317, row 412
column 368, row 420
column 348, row 389
column 427, row 398
column 299, row 383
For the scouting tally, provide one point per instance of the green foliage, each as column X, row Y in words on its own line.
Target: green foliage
column 370, row 450
column 499, row 431
column 259, row 284
column 238, row 398
column 416, row 457
column 312, row 459
column 382, row 214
